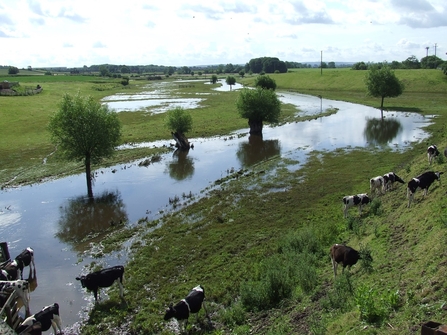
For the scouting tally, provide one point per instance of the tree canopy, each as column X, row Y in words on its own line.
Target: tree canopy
column 84, row 129
column 265, row 82
column 258, row 105
column 383, row 83
column 265, row 64
column 230, row 81
column 179, row 120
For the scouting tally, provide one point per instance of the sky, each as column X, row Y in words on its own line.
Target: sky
column 74, row 33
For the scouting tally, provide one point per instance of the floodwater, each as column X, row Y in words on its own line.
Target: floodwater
column 55, row 217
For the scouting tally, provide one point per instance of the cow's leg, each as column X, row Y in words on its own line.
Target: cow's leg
column 95, row 293
column 345, row 211
column 56, row 322
column 334, row 267
column 360, row 209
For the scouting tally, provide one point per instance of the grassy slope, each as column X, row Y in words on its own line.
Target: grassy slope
column 228, row 233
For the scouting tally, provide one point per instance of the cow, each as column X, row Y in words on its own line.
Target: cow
column 432, row 153
column 25, row 258
column 355, row 200
column 47, row 317
column 341, row 253
column 103, row 278
column 191, row 304
column 423, row 182
column 14, row 270
column 21, row 287
column 390, row 178
column 377, row 184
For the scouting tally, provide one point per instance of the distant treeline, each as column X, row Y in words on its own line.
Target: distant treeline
column 428, row 62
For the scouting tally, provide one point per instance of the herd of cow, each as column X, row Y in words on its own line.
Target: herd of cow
column 381, row 184
column 11, row 280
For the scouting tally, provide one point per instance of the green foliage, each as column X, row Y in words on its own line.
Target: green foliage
column 13, row 70
column 373, row 306
column 383, row 83
column 376, row 207
column 431, row 62
column 411, row 63
column 179, row 120
column 366, row 258
column 231, row 80
column 234, row 315
column 265, row 82
column 360, row 66
column 444, row 67
column 83, row 126
column 258, row 104
column 213, row 79
column 339, row 297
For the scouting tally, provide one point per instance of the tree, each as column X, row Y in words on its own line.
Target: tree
column 360, row 66
column 431, row 62
column 104, row 70
column 230, row 81
column 258, row 105
column 179, row 122
column 242, row 73
column 383, row 83
column 125, row 69
column 331, row 65
column 411, row 63
column 265, row 82
column 213, row 79
column 85, row 130
column 444, row 67
column 13, row 70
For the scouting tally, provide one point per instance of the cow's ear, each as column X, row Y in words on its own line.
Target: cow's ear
column 78, row 278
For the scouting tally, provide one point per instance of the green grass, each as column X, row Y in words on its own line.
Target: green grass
column 236, row 235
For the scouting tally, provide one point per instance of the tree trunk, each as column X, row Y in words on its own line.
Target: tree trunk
column 181, row 141
column 88, row 176
column 255, row 127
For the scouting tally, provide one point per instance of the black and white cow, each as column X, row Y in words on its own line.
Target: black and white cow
column 25, row 258
column 390, row 178
column 423, row 182
column 191, row 304
column 355, row 200
column 377, row 184
column 341, row 253
column 103, row 278
column 14, row 270
column 21, row 287
column 432, row 153
column 48, row 317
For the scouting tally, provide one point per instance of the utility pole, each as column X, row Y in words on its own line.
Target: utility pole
column 436, row 44
column 321, row 63
column 427, row 50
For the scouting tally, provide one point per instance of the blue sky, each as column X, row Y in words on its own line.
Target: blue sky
column 44, row 33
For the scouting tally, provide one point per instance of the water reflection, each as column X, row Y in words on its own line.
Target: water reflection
column 381, row 131
column 257, row 150
column 181, row 166
column 82, row 216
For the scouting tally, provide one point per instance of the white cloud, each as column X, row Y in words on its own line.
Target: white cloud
column 196, row 32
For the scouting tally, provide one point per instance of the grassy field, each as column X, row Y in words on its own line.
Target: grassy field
column 259, row 243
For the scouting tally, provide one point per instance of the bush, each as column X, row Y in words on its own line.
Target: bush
column 178, row 120
column 303, row 240
column 339, row 298
column 366, row 258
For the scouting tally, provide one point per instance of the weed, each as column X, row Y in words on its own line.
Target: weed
column 234, row 315
column 339, row 298
column 366, row 258
column 376, row 207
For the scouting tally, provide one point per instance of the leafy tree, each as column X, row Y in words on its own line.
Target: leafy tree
column 85, row 130
column 213, row 79
column 331, row 65
column 411, row 63
column 242, row 73
column 431, row 62
column 383, row 83
column 360, row 66
column 258, row 105
column 266, row 82
column 125, row 69
column 179, row 121
column 13, row 70
column 230, row 81
column 444, row 67
column 395, row 64
column 104, row 70
column 229, row 68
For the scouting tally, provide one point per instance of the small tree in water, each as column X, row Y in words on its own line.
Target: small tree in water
column 383, row 83
column 179, row 122
column 84, row 130
column 258, row 105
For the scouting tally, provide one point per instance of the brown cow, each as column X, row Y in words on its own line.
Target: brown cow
column 343, row 254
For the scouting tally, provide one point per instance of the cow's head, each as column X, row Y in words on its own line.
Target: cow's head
column 170, row 312
column 82, row 279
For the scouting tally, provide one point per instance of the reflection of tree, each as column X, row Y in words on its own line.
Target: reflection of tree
column 181, row 166
column 257, row 150
column 82, row 216
column 381, row 131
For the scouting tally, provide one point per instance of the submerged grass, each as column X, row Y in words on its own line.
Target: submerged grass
column 272, row 227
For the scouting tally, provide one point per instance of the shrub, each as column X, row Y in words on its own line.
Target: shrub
column 303, row 240
column 234, row 315
column 339, row 298
column 366, row 258
column 376, row 207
